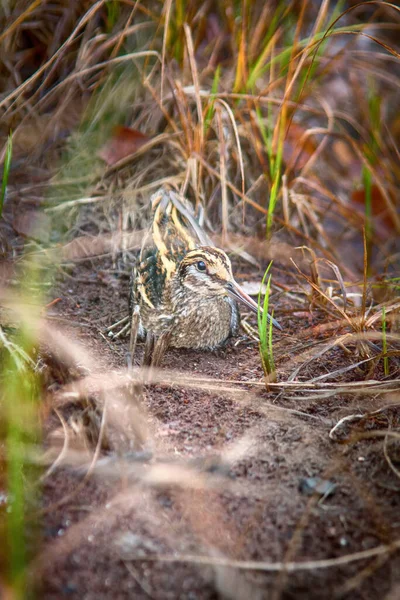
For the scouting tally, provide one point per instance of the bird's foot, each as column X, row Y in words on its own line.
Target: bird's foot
column 125, row 323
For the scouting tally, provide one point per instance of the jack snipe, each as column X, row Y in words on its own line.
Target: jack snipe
column 183, row 293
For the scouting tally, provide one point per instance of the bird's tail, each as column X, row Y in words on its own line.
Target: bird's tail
column 170, row 208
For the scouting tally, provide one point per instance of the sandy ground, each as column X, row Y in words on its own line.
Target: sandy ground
column 216, row 474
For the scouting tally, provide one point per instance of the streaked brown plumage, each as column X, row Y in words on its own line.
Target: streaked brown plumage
column 183, row 291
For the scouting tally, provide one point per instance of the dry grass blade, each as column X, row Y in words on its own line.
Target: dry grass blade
column 19, row 20
column 389, row 461
column 167, row 10
column 341, row 371
column 64, row 451
column 287, row 567
column 237, row 138
column 195, row 77
column 335, row 434
column 318, row 289
column 338, row 341
column 389, row 308
column 223, row 153
column 113, row 381
column 9, row 98
column 339, row 277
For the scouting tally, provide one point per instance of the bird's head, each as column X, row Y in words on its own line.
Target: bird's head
column 207, row 271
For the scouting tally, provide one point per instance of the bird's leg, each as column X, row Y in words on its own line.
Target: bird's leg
column 134, row 331
column 148, row 348
column 160, row 348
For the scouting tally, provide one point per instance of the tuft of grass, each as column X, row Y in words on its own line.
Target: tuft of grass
column 265, row 329
column 6, row 172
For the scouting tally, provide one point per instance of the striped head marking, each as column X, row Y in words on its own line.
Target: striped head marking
column 208, row 272
column 206, row 269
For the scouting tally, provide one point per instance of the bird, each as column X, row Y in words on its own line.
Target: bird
column 183, row 293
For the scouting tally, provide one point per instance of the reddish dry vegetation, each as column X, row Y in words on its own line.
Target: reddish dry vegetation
column 205, row 478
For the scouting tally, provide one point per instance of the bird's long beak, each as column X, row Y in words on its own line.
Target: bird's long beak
column 235, row 291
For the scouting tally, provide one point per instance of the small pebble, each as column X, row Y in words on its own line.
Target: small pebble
column 315, row 485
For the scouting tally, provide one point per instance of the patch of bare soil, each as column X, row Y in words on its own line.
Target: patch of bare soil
column 219, row 475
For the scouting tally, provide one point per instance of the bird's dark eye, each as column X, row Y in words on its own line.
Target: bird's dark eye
column 201, row 265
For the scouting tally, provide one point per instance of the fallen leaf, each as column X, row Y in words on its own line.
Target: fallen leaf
column 382, row 219
column 124, row 142
column 297, row 150
column 33, row 224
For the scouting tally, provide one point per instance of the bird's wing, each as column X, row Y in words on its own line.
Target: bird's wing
column 190, row 220
column 175, row 230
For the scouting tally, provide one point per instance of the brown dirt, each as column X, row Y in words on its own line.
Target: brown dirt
column 233, row 465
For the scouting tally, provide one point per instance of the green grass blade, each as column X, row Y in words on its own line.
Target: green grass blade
column 270, row 347
column 214, row 90
column 6, row 172
column 367, row 182
column 20, row 399
column 113, row 11
column 276, row 174
column 265, row 327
